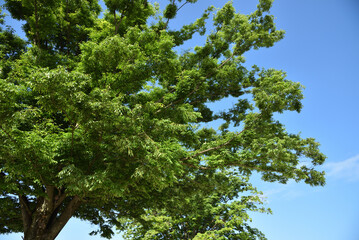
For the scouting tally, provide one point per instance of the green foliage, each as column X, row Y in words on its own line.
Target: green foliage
column 199, row 212
column 171, row 11
column 55, row 25
column 101, row 119
column 11, row 47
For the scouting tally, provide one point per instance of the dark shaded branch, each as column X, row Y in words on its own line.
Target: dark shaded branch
column 25, row 212
column 59, row 199
column 50, row 191
column 117, row 24
column 65, row 216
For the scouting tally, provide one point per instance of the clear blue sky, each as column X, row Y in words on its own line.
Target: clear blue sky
column 321, row 51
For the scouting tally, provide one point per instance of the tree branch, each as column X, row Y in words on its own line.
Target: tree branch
column 61, row 221
column 50, row 191
column 219, row 147
column 59, row 199
column 182, row 6
column 258, row 169
column 117, row 24
column 25, row 212
column 216, row 147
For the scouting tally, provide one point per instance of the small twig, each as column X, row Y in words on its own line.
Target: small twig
column 182, row 6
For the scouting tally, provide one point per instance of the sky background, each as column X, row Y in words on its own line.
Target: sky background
column 321, row 51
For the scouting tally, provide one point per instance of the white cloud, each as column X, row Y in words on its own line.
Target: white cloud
column 347, row 169
column 287, row 191
column 271, row 193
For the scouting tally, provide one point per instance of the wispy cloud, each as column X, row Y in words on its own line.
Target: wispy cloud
column 269, row 194
column 287, row 192
column 347, row 169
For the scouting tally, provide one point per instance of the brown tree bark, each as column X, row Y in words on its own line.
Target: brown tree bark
column 51, row 213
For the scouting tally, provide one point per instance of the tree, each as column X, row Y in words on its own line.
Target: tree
column 101, row 119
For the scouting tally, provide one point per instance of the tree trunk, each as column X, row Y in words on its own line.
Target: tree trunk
column 50, row 215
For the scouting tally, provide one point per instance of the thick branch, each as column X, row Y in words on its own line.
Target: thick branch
column 50, row 191
column 61, row 221
column 59, row 200
column 25, row 212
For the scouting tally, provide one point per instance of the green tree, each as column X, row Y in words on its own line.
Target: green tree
column 101, row 119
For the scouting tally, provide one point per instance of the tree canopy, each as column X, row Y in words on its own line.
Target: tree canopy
column 104, row 120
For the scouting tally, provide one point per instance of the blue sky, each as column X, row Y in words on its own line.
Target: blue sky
column 321, row 51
